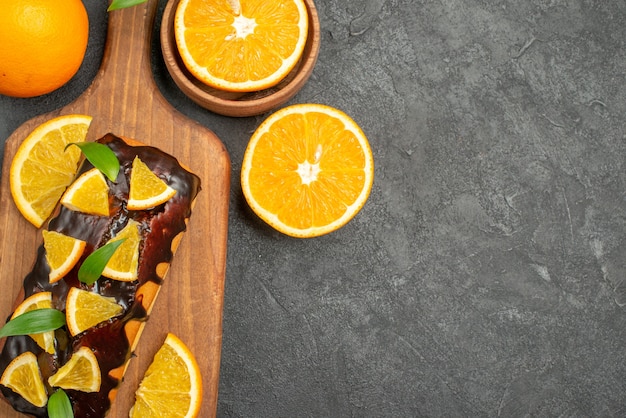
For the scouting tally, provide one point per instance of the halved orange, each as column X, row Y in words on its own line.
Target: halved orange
column 308, row 169
column 172, row 385
column 39, row 300
column 42, row 167
column 81, row 372
column 246, row 48
column 62, row 253
column 147, row 190
column 85, row 309
column 23, row 377
column 124, row 263
column 88, row 194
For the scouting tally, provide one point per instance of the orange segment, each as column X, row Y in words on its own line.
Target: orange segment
column 124, row 263
column 249, row 49
column 147, row 190
column 308, row 169
column 88, row 194
column 84, row 309
column 62, row 253
column 23, row 377
column 81, row 372
column 39, row 300
column 42, row 168
column 172, row 385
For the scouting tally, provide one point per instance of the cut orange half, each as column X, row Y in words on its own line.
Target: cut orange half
column 42, row 167
column 39, row 300
column 124, row 263
column 308, row 169
column 85, row 309
column 172, row 385
column 62, row 253
column 147, row 190
column 81, row 372
column 240, row 45
column 23, row 377
column 88, row 194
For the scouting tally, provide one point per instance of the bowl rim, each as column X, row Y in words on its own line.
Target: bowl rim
column 239, row 104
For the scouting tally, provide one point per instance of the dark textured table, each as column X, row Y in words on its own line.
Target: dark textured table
column 486, row 275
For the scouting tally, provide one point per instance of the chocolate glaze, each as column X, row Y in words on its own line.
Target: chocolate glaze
column 158, row 227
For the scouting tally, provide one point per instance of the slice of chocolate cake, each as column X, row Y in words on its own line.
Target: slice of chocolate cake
column 112, row 341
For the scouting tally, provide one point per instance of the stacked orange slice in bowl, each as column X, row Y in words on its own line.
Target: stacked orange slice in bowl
column 241, row 45
column 240, row 57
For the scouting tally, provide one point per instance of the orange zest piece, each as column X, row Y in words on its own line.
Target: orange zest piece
column 81, row 372
column 62, row 253
column 308, row 169
column 147, row 190
column 85, row 309
column 246, row 48
column 172, row 385
column 42, row 167
column 88, row 194
column 23, row 376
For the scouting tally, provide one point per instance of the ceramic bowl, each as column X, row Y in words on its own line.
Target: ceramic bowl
column 233, row 103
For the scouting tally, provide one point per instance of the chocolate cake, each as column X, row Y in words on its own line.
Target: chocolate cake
column 112, row 341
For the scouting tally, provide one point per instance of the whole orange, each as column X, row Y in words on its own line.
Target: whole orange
column 42, row 44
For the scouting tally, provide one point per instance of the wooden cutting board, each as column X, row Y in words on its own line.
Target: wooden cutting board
column 124, row 99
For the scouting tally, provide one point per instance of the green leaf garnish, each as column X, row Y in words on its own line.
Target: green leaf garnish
column 101, row 156
column 59, row 405
column 34, row 322
column 94, row 264
column 121, row 4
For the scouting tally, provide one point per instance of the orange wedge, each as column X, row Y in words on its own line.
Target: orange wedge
column 81, row 372
column 62, row 253
column 172, row 385
column 42, row 168
column 88, row 194
column 147, row 190
column 240, row 45
column 124, row 263
column 85, row 309
column 308, row 169
column 39, row 300
column 23, row 377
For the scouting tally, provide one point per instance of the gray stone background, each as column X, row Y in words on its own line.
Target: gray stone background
column 485, row 277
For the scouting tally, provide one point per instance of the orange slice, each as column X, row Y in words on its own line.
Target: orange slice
column 85, row 309
column 62, row 253
column 39, row 300
column 147, row 190
column 124, row 263
column 88, row 194
column 23, row 377
column 246, row 48
column 42, row 168
column 81, row 372
column 308, row 169
column 172, row 385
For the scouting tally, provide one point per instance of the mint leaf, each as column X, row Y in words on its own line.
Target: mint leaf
column 94, row 264
column 101, row 156
column 121, row 4
column 59, row 405
column 34, row 322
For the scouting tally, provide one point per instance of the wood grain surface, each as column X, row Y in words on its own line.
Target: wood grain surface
column 123, row 99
